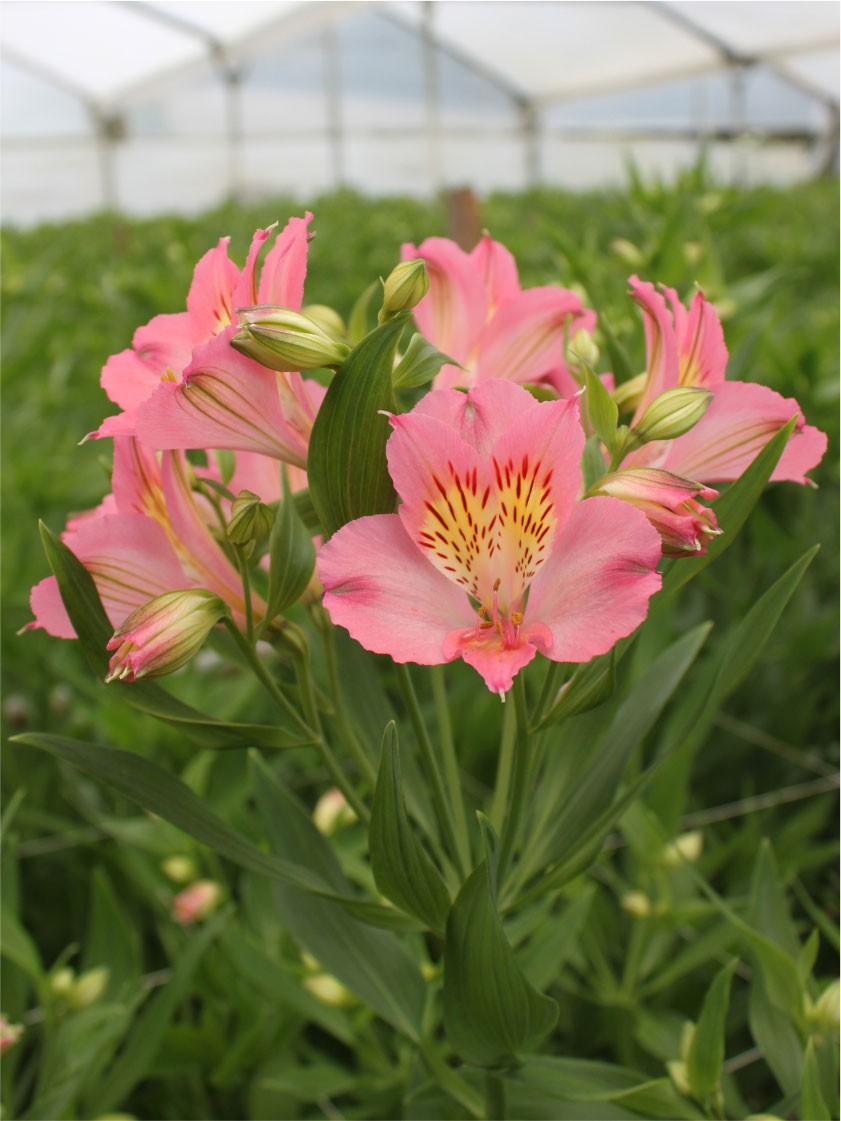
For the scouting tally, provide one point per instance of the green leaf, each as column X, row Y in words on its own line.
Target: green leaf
column 622, row 365
column 17, row 946
column 147, row 1033
column 419, row 364
column 595, row 788
column 83, row 605
column 602, row 410
column 731, row 510
column 769, row 911
column 292, row 558
column 403, row 871
column 111, row 939
column 775, row 1036
column 491, row 1010
column 346, row 466
column 155, row 789
column 593, row 464
column 373, row 964
column 358, row 321
column 591, row 685
column 812, row 1104
column 706, row 1052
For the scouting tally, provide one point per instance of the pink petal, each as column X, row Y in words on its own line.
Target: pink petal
column 285, row 266
column 245, row 292
column 525, row 339
column 741, row 419
column 379, row 587
column 491, row 656
column 226, row 400
column 209, row 301
column 702, row 352
column 128, row 379
column 662, row 364
column 480, row 416
column 453, row 312
column 498, row 269
column 595, row 587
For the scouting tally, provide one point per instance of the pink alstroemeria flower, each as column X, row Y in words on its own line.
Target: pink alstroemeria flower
column 164, row 349
column 670, row 504
column 491, row 556
column 686, row 348
column 476, row 313
column 164, row 634
column 151, row 535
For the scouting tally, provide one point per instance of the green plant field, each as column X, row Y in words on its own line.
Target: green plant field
column 213, row 1023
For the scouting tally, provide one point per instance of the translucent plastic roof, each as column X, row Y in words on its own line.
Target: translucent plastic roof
column 146, row 104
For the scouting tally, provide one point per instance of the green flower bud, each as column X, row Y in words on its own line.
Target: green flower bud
column 163, row 634
column 282, row 339
column 637, row 903
column 672, row 414
column 62, row 982
column 251, row 520
column 685, row 848
column 89, row 987
column 179, row 869
column 404, row 288
column 327, row 319
column 823, row 1016
column 582, row 350
column 629, row 394
column 627, row 252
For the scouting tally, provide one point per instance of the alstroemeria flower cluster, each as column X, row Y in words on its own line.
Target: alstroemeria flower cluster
column 498, row 550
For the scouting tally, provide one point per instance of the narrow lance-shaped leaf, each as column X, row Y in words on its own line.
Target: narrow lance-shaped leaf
column 706, row 1051
column 589, row 686
column 346, row 466
column 812, row 1103
column 291, row 557
column 403, row 871
column 419, row 364
column 601, row 409
column 491, row 1011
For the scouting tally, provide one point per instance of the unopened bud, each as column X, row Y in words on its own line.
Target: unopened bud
column 327, row 319
column 62, row 982
column 686, row 848
column 163, row 634
column 328, row 990
column 693, row 251
column 582, row 349
column 679, row 1075
column 197, row 902
column 637, row 903
column 627, row 252
column 332, row 812
column 629, row 394
column 404, row 288
column 251, row 520
column 672, row 414
column 823, row 1016
column 687, row 1034
column 9, row 1034
column 282, row 339
column 89, row 987
column 179, row 869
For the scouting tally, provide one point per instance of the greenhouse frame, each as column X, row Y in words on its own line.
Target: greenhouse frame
column 149, row 107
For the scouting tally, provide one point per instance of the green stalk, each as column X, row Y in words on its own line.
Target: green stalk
column 451, row 771
column 502, row 786
column 494, row 1097
column 430, row 762
column 520, row 784
column 242, row 565
column 266, row 681
column 360, row 755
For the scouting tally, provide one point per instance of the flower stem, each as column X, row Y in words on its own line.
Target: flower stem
column 242, row 564
column 430, row 762
column 494, row 1097
column 520, row 782
column 266, row 681
column 504, row 767
column 451, row 772
column 361, row 756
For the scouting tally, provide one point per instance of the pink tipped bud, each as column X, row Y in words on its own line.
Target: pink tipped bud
column 671, row 505
column 196, row 902
column 332, row 812
column 163, row 634
column 9, row 1034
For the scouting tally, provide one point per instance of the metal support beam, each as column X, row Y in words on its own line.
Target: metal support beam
column 333, row 94
column 531, row 143
column 432, row 98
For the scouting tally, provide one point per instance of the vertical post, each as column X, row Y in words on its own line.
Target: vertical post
column 530, row 126
column 108, row 131
column 233, row 109
column 333, row 93
column 432, row 97
column 738, row 124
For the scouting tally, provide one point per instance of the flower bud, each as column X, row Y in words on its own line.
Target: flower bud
column 9, row 1034
column 679, row 1074
column 163, row 634
column 629, row 394
column 282, row 339
column 637, row 903
column 684, row 849
column 332, row 812
column 251, row 520
column 672, row 414
column 196, row 902
column 89, row 987
column 62, row 982
column 627, row 252
column 823, row 1016
column 582, row 350
column 670, row 503
column 327, row 319
column 328, row 990
column 179, row 869
column 404, row 288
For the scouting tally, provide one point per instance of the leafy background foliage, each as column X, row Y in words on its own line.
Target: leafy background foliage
column 215, row 1022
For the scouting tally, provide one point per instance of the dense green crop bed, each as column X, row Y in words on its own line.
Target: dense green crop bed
column 82, row 867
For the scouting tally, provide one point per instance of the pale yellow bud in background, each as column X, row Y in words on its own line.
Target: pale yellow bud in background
column 686, row 848
column 823, row 1016
column 62, row 982
column 629, row 394
column 89, row 987
column 582, row 349
column 637, row 903
column 627, row 252
column 179, row 869
column 680, row 1077
column 328, row 990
